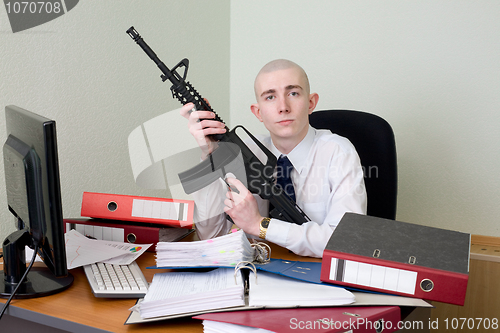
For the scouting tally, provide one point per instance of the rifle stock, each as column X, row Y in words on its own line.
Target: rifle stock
column 232, row 155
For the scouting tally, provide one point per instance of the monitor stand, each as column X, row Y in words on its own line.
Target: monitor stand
column 39, row 282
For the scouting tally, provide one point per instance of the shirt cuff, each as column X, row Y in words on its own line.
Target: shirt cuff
column 277, row 232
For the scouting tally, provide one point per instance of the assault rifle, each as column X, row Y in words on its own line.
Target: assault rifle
column 232, row 154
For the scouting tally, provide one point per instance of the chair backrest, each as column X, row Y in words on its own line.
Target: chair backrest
column 374, row 141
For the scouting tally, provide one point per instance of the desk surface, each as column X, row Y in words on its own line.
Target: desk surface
column 78, row 309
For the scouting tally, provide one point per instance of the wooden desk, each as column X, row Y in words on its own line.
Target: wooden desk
column 77, row 310
column 482, row 299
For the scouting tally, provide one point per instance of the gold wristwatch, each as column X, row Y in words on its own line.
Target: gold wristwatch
column 263, row 227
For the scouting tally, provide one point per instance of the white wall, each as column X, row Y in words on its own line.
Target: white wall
column 85, row 72
column 431, row 68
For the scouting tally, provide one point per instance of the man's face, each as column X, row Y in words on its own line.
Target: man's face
column 284, row 104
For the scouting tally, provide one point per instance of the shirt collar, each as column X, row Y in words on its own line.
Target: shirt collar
column 297, row 155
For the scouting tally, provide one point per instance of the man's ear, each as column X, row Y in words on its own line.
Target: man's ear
column 256, row 111
column 313, row 101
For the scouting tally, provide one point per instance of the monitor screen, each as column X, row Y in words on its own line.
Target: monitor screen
column 34, row 198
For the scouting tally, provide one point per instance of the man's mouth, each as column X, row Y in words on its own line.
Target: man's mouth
column 285, row 122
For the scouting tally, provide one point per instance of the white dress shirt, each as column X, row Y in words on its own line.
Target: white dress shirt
column 328, row 181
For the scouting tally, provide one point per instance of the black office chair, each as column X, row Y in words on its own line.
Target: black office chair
column 374, row 141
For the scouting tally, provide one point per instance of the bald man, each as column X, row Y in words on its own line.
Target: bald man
column 327, row 175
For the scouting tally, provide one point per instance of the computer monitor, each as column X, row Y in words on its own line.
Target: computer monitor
column 34, row 198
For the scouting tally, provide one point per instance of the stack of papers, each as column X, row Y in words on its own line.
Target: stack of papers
column 185, row 292
column 227, row 250
column 175, row 293
column 271, row 290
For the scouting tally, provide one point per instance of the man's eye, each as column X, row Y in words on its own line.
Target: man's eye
column 294, row 93
column 269, row 98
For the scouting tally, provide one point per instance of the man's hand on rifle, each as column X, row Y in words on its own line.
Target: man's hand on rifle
column 200, row 129
column 242, row 207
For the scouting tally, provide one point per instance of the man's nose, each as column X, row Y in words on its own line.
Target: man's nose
column 283, row 106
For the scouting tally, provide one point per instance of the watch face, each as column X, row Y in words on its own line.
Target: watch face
column 265, row 223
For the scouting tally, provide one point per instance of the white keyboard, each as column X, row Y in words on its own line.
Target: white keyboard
column 116, row 281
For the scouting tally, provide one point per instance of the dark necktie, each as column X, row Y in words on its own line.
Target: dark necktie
column 283, row 171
